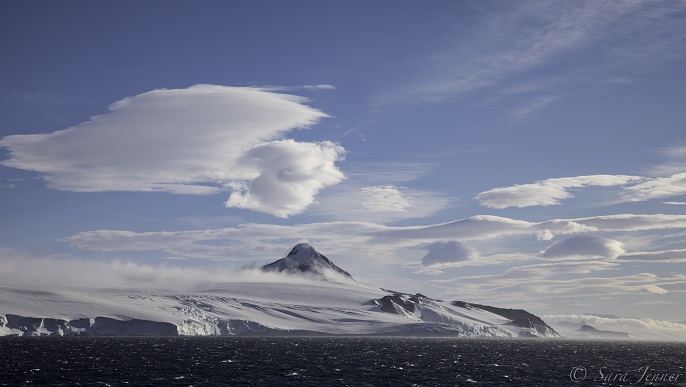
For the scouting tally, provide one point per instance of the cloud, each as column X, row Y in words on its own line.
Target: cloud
column 384, row 198
column 537, row 282
column 532, row 272
column 533, row 106
column 18, row 268
column 667, row 256
column 295, row 88
column 628, row 222
column 675, row 203
column 674, row 163
column 654, row 303
column 647, row 328
column 287, row 176
column 587, row 246
column 374, row 194
column 443, row 254
column 612, row 38
column 658, row 188
column 547, row 192
column 185, row 141
column 254, row 240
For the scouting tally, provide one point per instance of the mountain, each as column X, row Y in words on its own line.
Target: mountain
column 519, row 317
column 301, row 294
column 593, row 332
column 303, row 258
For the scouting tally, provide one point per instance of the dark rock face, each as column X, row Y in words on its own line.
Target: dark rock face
column 587, row 329
column 303, row 258
column 406, row 302
column 519, row 317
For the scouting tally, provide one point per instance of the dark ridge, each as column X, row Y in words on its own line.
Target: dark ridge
column 386, row 303
column 519, row 317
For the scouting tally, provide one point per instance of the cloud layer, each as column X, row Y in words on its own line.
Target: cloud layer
column 198, row 140
column 547, row 192
column 339, row 236
column 587, row 246
column 647, row 328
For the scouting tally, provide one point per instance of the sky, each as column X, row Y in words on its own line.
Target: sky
column 527, row 154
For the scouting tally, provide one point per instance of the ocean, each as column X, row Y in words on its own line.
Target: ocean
column 337, row 361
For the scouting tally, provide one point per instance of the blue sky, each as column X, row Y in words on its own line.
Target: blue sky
column 526, row 154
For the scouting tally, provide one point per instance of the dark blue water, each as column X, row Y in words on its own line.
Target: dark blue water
column 326, row 361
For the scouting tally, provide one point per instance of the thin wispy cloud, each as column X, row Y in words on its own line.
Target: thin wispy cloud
column 538, row 281
column 562, row 43
column 667, row 256
column 382, row 192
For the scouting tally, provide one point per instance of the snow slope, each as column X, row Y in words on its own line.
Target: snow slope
column 317, row 300
column 241, row 309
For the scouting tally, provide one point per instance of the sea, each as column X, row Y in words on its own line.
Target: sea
column 337, row 361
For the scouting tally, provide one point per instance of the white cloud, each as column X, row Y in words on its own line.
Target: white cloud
column 532, row 272
column 443, row 254
column 587, row 246
column 536, row 282
column 183, row 141
column 547, row 192
column 628, row 222
column 373, row 194
column 319, row 87
column 667, row 256
column 654, row 303
column 675, row 203
column 295, row 88
column 251, row 240
column 21, row 269
column 658, row 188
column 287, row 175
column 384, row 198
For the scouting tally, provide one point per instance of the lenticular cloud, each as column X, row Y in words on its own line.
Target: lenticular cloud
column 584, row 246
column 446, row 253
column 183, row 141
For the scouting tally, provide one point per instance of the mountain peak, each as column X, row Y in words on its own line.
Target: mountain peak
column 303, row 258
column 302, row 249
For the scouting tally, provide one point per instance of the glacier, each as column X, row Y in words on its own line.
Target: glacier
column 306, row 295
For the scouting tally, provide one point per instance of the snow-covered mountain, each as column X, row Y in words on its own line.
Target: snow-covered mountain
column 303, row 258
column 301, row 294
